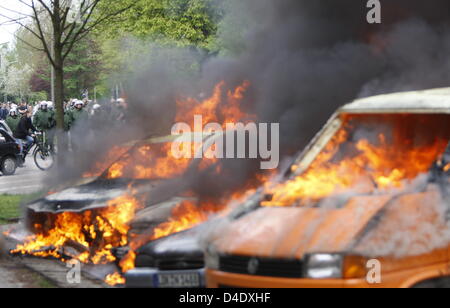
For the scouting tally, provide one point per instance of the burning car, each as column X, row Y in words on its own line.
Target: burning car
column 145, row 195
column 89, row 220
column 365, row 204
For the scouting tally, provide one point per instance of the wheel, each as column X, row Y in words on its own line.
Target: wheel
column 8, row 165
column 44, row 160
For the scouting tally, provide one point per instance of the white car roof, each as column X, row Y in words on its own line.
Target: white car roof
column 428, row 101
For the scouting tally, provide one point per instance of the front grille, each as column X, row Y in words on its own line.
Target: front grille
column 180, row 264
column 289, row 268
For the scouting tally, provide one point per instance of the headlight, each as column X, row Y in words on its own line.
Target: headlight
column 212, row 258
column 323, row 266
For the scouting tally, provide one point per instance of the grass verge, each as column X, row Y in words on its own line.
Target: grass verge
column 10, row 206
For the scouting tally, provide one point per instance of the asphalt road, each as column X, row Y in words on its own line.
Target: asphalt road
column 27, row 180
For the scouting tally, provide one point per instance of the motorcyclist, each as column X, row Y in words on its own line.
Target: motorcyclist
column 44, row 120
column 23, row 133
column 13, row 120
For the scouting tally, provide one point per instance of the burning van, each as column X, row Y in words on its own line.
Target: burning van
column 366, row 204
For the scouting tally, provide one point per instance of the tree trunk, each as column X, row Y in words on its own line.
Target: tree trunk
column 59, row 102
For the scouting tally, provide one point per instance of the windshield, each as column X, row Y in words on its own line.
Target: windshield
column 368, row 153
column 147, row 161
column 152, row 161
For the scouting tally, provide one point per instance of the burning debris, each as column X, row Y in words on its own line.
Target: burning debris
column 88, row 236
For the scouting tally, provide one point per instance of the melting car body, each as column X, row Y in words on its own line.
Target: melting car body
column 365, row 205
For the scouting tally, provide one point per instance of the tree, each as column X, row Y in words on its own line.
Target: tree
column 166, row 22
column 59, row 25
column 18, row 81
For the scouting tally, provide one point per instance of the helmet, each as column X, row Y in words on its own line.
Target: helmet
column 78, row 103
column 13, row 111
column 43, row 104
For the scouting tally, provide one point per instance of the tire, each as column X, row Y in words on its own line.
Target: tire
column 8, row 165
column 43, row 161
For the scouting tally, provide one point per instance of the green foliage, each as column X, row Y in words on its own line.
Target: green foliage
column 82, row 68
column 166, row 22
column 38, row 96
column 180, row 33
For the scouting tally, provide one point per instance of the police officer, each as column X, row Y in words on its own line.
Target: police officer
column 77, row 114
column 44, row 120
column 13, row 120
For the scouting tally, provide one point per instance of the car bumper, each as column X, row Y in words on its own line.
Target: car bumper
column 401, row 279
column 155, row 278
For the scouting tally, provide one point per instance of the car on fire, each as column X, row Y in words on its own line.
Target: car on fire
column 100, row 220
column 365, row 205
column 177, row 260
column 9, row 151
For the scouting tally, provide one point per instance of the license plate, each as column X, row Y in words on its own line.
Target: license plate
column 179, row 280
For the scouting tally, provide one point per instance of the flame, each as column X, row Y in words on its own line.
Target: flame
column 96, row 232
column 381, row 163
column 214, row 109
column 149, row 162
column 184, row 216
column 447, row 167
column 114, row 279
column 99, row 167
column 157, row 162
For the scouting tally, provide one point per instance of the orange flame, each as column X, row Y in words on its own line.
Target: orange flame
column 382, row 164
column 114, row 279
column 157, row 161
column 96, row 232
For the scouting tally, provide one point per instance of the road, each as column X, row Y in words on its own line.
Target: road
column 27, row 180
column 15, row 274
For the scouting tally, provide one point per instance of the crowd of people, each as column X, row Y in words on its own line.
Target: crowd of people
column 26, row 118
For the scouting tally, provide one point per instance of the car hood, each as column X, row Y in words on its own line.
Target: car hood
column 184, row 244
column 362, row 225
column 176, row 251
column 84, row 197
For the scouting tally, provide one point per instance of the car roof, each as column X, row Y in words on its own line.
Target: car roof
column 427, row 101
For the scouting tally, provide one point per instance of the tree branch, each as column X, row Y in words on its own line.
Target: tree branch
column 84, row 29
column 44, row 43
column 28, row 44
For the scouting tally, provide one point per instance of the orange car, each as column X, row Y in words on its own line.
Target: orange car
column 365, row 205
